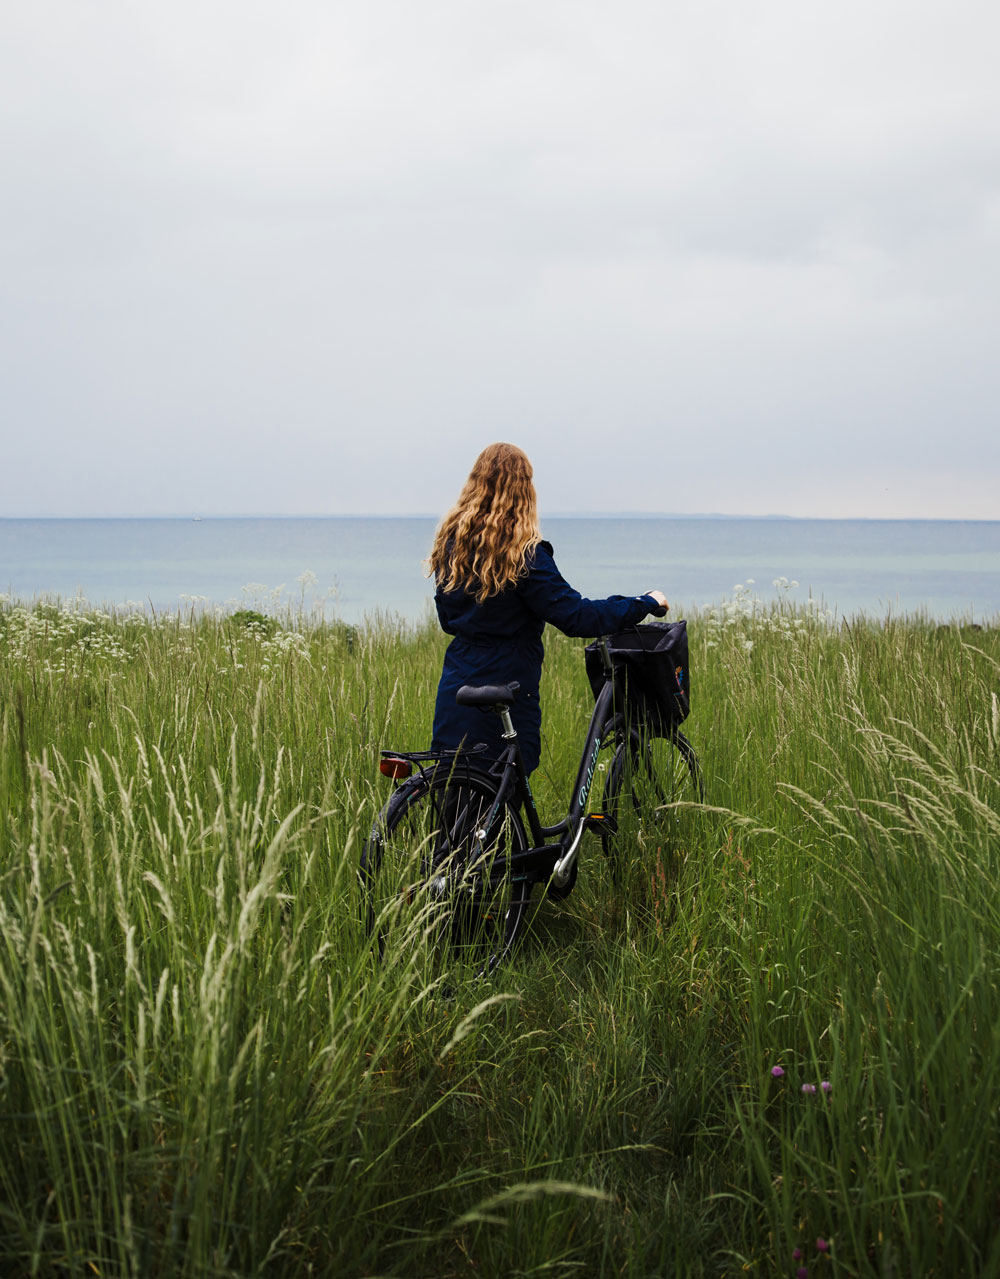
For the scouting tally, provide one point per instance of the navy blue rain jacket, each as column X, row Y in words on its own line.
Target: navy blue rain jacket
column 501, row 640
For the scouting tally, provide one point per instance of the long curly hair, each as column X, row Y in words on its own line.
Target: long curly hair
column 482, row 544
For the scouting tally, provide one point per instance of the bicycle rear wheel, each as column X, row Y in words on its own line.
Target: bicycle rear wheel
column 436, row 868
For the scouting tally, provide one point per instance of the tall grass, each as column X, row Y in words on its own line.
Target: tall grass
column 204, row 1072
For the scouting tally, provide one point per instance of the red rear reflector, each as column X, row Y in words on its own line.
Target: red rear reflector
column 397, row 769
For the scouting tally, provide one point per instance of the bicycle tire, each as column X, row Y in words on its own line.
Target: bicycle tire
column 653, row 772
column 417, row 877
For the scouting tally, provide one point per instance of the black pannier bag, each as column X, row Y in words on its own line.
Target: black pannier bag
column 654, row 659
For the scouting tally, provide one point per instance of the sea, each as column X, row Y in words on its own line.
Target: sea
column 355, row 568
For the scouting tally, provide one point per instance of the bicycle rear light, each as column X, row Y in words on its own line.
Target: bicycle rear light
column 394, row 767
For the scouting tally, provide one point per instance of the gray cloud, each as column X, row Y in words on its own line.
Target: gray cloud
column 311, row 258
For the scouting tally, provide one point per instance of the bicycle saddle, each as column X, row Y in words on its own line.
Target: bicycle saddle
column 487, row 695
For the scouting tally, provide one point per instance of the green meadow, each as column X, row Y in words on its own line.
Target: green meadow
column 770, row 1044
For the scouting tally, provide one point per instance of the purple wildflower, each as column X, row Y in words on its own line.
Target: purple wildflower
column 826, row 1085
column 822, row 1245
column 808, row 1087
column 777, row 1072
column 802, row 1272
column 796, row 1254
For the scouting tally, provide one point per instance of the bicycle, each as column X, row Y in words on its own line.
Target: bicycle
column 451, row 848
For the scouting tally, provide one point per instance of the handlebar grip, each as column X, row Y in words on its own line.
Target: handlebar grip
column 659, row 612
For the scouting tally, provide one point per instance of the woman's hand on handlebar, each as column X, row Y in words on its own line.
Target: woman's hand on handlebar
column 661, row 599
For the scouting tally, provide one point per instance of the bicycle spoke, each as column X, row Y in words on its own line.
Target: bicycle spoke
column 647, row 776
column 457, row 890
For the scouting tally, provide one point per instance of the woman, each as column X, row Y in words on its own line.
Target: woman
column 497, row 586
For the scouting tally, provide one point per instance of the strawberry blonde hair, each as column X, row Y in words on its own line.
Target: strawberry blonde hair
column 483, row 543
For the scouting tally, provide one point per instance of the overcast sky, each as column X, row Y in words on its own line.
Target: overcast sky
column 719, row 255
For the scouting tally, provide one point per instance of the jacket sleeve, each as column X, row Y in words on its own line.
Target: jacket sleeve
column 549, row 596
column 444, row 613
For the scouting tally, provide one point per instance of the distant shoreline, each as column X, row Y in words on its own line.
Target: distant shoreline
column 199, row 517
column 362, row 562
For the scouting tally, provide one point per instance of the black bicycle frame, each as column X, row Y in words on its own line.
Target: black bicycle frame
column 553, row 860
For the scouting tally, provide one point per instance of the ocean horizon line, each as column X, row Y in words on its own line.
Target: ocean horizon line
column 200, row 516
column 946, row 566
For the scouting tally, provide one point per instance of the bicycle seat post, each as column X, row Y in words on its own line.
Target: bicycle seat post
column 509, row 731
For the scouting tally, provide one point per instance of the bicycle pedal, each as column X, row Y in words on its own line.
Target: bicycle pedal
column 600, row 824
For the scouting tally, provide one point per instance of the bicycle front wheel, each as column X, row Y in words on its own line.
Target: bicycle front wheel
column 647, row 775
column 436, row 869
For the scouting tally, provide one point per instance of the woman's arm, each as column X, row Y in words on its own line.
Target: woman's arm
column 547, row 593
